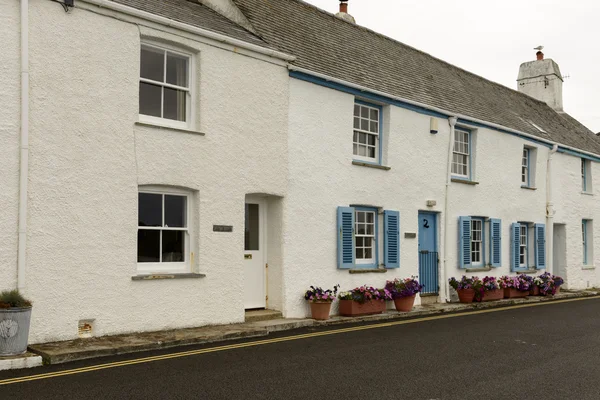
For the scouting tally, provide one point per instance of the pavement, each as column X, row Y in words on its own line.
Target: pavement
column 82, row 349
column 545, row 350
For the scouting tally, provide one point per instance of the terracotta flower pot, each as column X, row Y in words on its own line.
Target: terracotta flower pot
column 557, row 290
column 320, row 309
column 512, row 293
column 535, row 291
column 491, row 295
column 466, row 295
column 405, row 304
column 351, row 308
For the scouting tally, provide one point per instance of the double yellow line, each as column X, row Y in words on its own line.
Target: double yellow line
column 268, row 341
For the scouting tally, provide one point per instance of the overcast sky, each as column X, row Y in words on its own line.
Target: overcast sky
column 492, row 39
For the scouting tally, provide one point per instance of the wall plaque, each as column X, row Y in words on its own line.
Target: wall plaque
column 222, row 228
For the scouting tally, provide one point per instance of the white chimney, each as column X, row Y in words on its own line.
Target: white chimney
column 542, row 80
column 343, row 14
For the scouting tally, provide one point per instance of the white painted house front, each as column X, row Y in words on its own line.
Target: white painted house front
column 169, row 167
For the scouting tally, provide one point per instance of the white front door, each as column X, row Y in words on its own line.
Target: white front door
column 254, row 254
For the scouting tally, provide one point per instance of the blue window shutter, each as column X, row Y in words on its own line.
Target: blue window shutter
column 540, row 246
column 391, row 239
column 515, row 242
column 345, row 233
column 495, row 242
column 464, row 242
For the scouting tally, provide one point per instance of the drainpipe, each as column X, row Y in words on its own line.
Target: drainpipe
column 549, row 213
column 444, row 293
column 24, row 147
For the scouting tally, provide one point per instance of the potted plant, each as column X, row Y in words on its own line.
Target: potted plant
column 363, row 300
column 516, row 286
column 535, row 287
column 549, row 284
column 403, row 292
column 320, row 301
column 15, row 316
column 468, row 289
column 491, row 289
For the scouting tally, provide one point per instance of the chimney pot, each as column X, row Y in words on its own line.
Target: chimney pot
column 540, row 55
column 344, row 6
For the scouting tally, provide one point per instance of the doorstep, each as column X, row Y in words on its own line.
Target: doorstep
column 80, row 349
column 27, row 360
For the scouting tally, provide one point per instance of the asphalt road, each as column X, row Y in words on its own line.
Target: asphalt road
column 543, row 352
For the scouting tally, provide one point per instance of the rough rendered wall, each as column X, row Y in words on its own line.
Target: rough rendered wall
column 9, row 141
column 88, row 158
column 571, row 207
column 323, row 178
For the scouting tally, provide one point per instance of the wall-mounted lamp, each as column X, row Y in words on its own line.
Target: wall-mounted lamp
column 433, row 125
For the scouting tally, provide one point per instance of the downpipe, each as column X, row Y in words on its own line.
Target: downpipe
column 24, row 148
column 444, row 292
column 550, row 213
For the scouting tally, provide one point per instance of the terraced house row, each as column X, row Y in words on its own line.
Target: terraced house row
column 173, row 163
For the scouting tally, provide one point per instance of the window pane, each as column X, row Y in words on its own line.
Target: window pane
column 362, row 138
column 175, row 211
column 251, row 233
column 149, row 209
column 152, row 63
column 177, row 70
column 364, row 124
column 356, row 110
column 175, row 104
column 371, row 152
column 359, row 242
column 360, row 216
column 359, row 254
column 374, row 115
column 368, row 242
column 370, row 217
column 373, row 127
column 356, row 123
column 362, row 151
column 148, row 246
column 150, row 99
column 369, row 253
column 173, row 245
column 364, row 112
column 372, row 139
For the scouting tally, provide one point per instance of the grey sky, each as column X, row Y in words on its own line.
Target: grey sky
column 492, row 39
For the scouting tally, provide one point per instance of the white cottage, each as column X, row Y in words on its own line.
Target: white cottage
column 170, row 164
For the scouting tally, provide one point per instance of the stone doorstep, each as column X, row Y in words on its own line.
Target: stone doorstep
column 81, row 349
column 27, row 360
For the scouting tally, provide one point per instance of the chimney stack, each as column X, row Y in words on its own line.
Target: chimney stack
column 542, row 80
column 343, row 14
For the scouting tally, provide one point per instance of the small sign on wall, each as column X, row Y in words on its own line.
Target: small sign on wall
column 410, row 235
column 222, row 228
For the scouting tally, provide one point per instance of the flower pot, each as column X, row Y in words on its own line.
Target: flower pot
column 557, row 290
column 535, row 291
column 351, row 308
column 466, row 295
column 512, row 293
column 491, row 295
column 405, row 304
column 320, row 309
column 14, row 330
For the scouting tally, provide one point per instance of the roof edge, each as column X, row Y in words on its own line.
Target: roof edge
column 219, row 37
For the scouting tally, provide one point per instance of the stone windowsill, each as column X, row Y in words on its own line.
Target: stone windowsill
column 529, row 272
column 368, row 271
column 169, row 128
column 366, row 164
column 588, row 267
column 588, row 193
column 154, row 277
column 528, row 187
column 464, row 181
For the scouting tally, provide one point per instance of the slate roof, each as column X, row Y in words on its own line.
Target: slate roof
column 326, row 44
column 195, row 14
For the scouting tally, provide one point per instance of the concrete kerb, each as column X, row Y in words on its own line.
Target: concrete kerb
column 81, row 349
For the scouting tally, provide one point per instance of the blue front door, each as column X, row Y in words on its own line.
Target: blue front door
column 428, row 255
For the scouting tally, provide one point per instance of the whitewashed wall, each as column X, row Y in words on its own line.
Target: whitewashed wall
column 9, row 141
column 322, row 178
column 88, row 158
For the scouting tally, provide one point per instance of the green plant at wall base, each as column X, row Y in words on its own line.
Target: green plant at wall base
column 12, row 298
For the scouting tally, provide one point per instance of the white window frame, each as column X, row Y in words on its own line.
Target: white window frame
column 457, row 151
column 477, row 245
column 357, row 131
column 587, row 236
column 373, row 236
column 523, row 245
column 525, row 167
column 190, row 95
column 586, row 176
column 169, row 266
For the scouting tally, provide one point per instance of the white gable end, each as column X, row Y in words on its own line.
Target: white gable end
column 230, row 11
